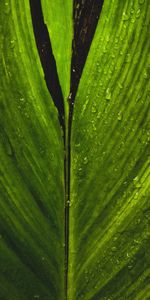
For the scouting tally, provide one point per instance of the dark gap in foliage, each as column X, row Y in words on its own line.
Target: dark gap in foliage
column 47, row 59
column 86, row 15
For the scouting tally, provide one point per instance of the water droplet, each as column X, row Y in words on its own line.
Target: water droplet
column 120, row 85
column 138, row 13
column 85, row 160
column 93, row 109
column 69, row 97
column 125, row 16
column 12, row 44
column 130, row 267
column 132, row 9
column 136, row 242
column 113, row 55
column 138, row 221
column 114, row 249
column 7, row 8
column 147, row 73
column 136, row 195
column 136, row 182
column 119, row 116
column 27, row 115
column 22, row 99
column 108, row 94
column 104, row 50
column 77, row 145
column 36, row 296
column 128, row 58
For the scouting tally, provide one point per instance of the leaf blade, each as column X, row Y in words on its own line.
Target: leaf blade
column 32, row 183
column 109, row 176
column 58, row 18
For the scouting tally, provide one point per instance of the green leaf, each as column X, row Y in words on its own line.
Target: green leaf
column 58, row 18
column 109, row 213
column 31, row 168
column 110, row 182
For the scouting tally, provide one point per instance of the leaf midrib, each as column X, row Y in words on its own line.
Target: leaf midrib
column 49, row 63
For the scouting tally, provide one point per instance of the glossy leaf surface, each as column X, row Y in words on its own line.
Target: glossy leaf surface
column 109, row 213
column 31, row 167
column 109, row 207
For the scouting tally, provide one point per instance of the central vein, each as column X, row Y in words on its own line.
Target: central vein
column 86, row 15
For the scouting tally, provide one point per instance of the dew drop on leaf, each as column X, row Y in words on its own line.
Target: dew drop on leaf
column 7, row 8
column 85, row 160
column 114, row 249
column 77, row 145
column 125, row 17
column 138, row 13
column 108, row 94
column 128, row 58
column 136, row 182
column 120, row 85
column 119, row 116
column 12, row 44
column 93, row 109
column 130, row 267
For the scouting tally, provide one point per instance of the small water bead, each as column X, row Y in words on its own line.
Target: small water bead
column 113, row 55
column 128, row 58
column 138, row 221
column 125, row 16
column 138, row 13
column 146, row 75
column 136, row 195
column 130, row 267
column 114, row 249
column 70, row 95
column 77, row 145
column 22, row 99
column 26, row 114
column 120, row 85
column 108, row 94
column 85, row 160
column 98, row 116
column 7, row 8
column 93, row 109
column 136, row 182
column 133, row 19
column 105, row 50
column 119, row 116
column 51, row 156
column 12, row 44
